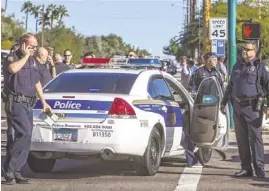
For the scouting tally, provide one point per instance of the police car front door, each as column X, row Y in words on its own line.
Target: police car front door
column 209, row 127
column 160, row 91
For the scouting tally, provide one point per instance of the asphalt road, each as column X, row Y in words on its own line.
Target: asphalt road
column 96, row 175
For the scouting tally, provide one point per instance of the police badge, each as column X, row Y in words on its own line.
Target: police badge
column 10, row 59
column 252, row 68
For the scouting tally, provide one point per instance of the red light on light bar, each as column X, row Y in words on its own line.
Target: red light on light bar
column 96, row 61
column 68, row 96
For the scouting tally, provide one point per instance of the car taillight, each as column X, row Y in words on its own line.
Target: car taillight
column 122, row 109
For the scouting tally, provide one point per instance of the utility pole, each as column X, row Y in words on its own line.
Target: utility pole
column 188, row 10
column 206, row 41
column 231, row 46
column 6, row 7
column 43, row 24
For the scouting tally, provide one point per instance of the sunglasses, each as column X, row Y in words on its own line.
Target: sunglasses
column 67, row 55
column 247, row 49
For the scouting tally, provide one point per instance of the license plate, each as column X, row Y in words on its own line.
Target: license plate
column 65, row 134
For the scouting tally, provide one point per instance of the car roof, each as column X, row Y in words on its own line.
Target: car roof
column 113, row 70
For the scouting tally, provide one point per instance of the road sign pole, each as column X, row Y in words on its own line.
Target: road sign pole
column 231, row 46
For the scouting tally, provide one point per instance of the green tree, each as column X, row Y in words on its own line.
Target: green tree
column 53, row 14
column 173, row 48
column 11, row 28
column 27, row 8
column 63, row 12
column 61, row 38
column 107, row 46
column 36, row 10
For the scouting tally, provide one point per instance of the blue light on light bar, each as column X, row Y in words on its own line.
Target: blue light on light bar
column 145, row 62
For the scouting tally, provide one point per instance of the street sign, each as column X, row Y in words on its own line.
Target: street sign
column 218, row 47
column 218, row 29
column 251, row 31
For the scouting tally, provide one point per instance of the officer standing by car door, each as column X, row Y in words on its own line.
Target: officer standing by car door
column 203, row 72
column 21, row 84
column 248, row 83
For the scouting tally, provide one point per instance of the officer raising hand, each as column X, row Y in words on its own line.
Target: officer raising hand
column 21, row 84
column 246, row 90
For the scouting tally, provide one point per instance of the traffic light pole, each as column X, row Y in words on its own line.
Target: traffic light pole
column 231, row 46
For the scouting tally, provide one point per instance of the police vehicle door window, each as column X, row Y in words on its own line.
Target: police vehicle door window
column 151, row 90
column 176, row 91
column 207, row 87
column 162, row 89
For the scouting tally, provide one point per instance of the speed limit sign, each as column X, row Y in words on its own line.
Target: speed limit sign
column 218, row 29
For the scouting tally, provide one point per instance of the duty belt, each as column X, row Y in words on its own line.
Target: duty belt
column 244, row 99
column 24, row 99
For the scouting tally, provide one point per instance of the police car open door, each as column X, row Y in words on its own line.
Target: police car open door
column 209, row 127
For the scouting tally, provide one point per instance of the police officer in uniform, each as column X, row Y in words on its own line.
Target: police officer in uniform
column 203, row 72
column 208, row 70
column 249, row 79
column 21, row 83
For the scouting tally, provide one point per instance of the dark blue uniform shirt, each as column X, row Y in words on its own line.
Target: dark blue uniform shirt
column 45, row 74
column 23, row 82
column 61, row 67
column 247, row 80
column 200, row 74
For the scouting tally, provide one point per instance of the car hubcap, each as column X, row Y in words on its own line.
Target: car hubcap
column 154, row 151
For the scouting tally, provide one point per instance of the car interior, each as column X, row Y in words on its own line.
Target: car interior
column 182, row 101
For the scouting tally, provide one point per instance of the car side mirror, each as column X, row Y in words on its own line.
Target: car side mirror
column 209, row 99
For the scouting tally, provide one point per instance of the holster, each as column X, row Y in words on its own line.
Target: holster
column 8, row 104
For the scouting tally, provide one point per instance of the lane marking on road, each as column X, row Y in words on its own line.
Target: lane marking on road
column 189, row 179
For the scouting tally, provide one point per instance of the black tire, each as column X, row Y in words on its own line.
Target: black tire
column 40, row 165
column 204, row 154
column 149, row 164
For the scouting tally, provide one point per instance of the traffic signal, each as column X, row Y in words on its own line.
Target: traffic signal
column 251, row 31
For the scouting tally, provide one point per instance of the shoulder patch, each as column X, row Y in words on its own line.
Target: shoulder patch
column 10, row 58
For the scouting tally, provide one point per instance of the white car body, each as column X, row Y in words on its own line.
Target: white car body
column 120, row 137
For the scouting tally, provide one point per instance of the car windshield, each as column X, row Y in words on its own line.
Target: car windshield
column 118, row 83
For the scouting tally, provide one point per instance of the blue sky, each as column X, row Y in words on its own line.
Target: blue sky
column 148, row 24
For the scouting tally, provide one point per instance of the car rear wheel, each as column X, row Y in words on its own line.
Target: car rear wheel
column 204, row 154
column 149, row 164
column 40, row 165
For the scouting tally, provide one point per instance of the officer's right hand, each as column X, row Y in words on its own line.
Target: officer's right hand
column 27, row 50
column 222, row 109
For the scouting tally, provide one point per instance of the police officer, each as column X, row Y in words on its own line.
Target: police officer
column 21, row 83
column 208, row 70
column 249, row 79
column 203, row 72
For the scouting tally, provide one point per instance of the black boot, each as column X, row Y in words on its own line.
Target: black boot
column 20, row 179
column 8, row 176
column 243, row 173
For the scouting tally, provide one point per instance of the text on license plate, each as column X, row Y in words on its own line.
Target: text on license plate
column 65, row 134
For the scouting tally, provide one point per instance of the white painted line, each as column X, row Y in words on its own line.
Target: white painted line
column 232, row 147
column 3, row 120
column 189, row 179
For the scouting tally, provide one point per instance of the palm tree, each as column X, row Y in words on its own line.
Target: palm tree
column 36, row 12
column 27, row 7
column 62, row 13
column 53, row 14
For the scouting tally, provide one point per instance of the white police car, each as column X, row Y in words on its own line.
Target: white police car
column 125, row 114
